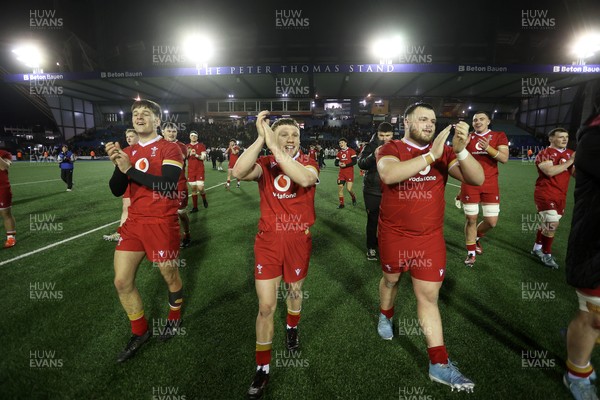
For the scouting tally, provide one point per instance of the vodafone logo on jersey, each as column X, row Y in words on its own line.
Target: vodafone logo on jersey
column 478, row 146
column 344, row 156
column 142, row 164
column 423, row 175
column 282, row 183
column 425, row 170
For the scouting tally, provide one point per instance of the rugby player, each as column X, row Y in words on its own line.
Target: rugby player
column 345, row 159
column 414, row 172
column 6, row 200
column 233, row 150
column 555, row 167
column 312, row 151
column 286, row 183
column 150, row 169
column 488, row 147
column 169, row 131
column 196, row 154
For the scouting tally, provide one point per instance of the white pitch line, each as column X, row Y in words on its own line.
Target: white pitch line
column 212, row 187
column 29, row 183
column 73, row 237
column 452, row 184
column 57, row 243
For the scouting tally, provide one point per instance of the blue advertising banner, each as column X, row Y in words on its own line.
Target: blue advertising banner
column 309, row 69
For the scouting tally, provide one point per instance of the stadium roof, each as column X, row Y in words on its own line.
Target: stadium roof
column 473, row 50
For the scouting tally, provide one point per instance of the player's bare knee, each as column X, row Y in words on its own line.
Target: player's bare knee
column 427, row 295
column 593, row 316
column 124, row 285
column 266, row 310
column 391, row 280
column 428, row 299
column 170, row 271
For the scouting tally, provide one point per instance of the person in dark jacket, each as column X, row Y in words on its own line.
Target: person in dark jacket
column 372, row 184
column 65, row 160
column 321, row 157
column 583, row 262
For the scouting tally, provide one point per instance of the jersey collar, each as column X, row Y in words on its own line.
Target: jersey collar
column 559, row 150
column 416, row 146
column 156, row 139
column 484, row 133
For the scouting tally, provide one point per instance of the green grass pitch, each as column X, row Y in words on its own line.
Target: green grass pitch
column 62, row 324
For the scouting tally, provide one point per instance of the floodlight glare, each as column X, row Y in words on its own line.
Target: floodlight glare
column 388, row 48
column 29, row 55
column 587, row 45
column 198, row 49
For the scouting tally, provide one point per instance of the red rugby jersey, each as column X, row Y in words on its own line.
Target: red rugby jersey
column 146, row 204
column 285, row 205
column 345, row 156
column 415, row 207
column 555, row 187
column 489, row 163
column 195, row 164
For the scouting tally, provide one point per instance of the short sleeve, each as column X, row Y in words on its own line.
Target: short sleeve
column 388, row 150
column 502, row 139
column 449, row 156
column 173, row 156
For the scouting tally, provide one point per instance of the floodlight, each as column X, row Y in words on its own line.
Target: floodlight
column 199, row 49
column 29, row 55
